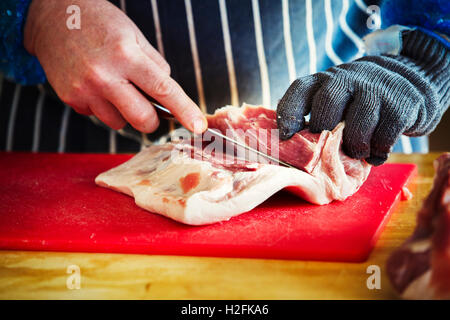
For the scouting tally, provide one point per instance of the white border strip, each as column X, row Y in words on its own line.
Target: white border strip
column 229, row 53
column 157, row 23
column 63, row 130
column 112, row 132
column 160, row 45
column 195, row 57
column 361, row 5
column 288, row 41
column 310, row 38
column 261, row 54
column 37, row 121
column 12, row 117
column 349, row 32
column 329, row 35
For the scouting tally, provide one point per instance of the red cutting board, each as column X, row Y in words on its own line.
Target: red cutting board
column 49, row 202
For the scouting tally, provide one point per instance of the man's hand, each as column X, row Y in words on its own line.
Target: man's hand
column 379, row 97
column 96, row 69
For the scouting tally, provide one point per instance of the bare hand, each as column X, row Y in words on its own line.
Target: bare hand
column 97, row 68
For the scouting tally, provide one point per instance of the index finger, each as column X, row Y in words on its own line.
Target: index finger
column 148, row 76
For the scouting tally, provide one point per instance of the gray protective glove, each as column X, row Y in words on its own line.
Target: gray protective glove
column 379, row 97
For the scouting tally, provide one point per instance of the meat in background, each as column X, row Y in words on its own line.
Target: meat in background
column 420, row 268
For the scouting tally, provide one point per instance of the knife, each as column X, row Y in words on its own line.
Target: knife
column 166, row 114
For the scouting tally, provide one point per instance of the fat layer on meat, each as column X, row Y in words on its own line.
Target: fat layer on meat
column 180, row 182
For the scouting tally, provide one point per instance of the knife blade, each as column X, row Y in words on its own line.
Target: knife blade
column 167, row 114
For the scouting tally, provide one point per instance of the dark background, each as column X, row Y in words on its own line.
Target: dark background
column 440, row 138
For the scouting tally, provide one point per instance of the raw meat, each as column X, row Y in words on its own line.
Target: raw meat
column 420, row 268
column 183, row 182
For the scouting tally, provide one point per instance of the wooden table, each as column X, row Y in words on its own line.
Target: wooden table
column 43, row 275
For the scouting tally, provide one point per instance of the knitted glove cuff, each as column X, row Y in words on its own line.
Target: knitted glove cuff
column 15, row 61
column 433, row 60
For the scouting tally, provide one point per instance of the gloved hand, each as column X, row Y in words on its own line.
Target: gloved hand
column 379, row 97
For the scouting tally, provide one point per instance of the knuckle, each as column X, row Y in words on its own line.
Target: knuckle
column 167, row 68
column 145, row 122
column 163, row 87
column 114, row 87
column 71, row 92
column 77, row 89
column 142, row 120
column 68, row 98
column 123, row 51
column 94, row 76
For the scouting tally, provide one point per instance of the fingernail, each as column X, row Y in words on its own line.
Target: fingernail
column 199, row 125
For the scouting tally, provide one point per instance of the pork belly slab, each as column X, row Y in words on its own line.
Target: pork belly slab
column 182, row 182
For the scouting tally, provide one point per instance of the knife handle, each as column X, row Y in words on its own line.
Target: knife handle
column 163, row 112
